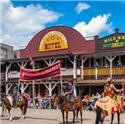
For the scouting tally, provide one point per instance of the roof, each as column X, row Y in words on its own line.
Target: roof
column 76, row 43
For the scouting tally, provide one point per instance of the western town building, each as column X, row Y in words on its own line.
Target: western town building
column 89, row 62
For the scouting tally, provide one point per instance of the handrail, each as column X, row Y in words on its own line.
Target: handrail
column 104, row 71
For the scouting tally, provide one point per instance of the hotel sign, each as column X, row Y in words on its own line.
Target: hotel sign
column 53, row 40
column 114, row 41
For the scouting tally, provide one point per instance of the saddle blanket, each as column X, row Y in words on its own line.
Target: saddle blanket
column 106, row 104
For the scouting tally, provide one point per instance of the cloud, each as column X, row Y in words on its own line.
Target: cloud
column 4, row 0
column 95, row 26
column 81, row 6
column 20, row 24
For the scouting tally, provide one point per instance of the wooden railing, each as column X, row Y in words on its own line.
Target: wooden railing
column 118, row 70
column 104, row 71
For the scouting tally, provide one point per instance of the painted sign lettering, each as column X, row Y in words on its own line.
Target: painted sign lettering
column 115, row 41
column 53, row 40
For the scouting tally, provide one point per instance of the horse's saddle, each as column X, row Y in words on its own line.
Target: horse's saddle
column 104, row 99
column 106, row 104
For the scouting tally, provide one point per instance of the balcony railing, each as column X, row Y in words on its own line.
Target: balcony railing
column 104, row 71
column 87, row 72
column 13, row 74
column 64, row 72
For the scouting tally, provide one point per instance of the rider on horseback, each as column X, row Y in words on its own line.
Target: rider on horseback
column 69, row 92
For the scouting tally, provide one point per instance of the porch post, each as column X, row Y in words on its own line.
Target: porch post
column 82, row 67
column 33, row 89
column 7, row 69
column 50, row 88
column 75, row 73
column 23, row 87
column 8, row 87
column 110, row 59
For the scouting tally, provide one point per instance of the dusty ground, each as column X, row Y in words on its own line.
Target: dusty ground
column 42, row 116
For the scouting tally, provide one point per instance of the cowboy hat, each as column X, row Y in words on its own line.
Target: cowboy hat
column 109, row 79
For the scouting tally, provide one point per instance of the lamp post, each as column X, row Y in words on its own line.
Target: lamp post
column 33, row 86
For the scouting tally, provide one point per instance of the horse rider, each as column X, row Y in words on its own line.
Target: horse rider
column 109, row 92
column 106, row 105
column 70, row 92
column 65, row 90
column 110, row 89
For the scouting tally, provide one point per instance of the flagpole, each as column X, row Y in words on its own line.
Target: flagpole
column 61, row 83
column 123, row 87
column 33, row 87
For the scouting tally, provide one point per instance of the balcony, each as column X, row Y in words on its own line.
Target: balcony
column 68, row 71
column 88, row 72
column 102, row 72
column 13, row 74
column 64, row 72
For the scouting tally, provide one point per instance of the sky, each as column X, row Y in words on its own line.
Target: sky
column 20, row 20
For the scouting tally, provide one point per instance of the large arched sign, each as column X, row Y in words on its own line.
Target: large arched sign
column 53, row 40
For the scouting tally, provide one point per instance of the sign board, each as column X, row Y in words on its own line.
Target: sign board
column 114, row 41
column 53, row 40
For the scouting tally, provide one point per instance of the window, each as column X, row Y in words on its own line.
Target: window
column 3, row 53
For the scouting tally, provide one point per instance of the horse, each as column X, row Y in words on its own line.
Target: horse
column 78, row 106
column 101, row 114
column 119, row 101
column 7, row 101
column 118, row 117
column 66, row 106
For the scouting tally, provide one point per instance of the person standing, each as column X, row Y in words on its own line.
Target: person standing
column 16, row 93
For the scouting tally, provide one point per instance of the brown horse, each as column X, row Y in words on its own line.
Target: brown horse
column 8, row 104
column 66, row 106
column 119, row 100
column 79, row 107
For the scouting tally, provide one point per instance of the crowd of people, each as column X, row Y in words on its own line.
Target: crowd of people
column 88, row 101
column 40, row 102
column 68, row 92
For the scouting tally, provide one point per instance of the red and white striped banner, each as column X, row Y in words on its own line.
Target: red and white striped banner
column 50, row 71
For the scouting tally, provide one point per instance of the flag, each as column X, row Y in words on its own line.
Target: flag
column 31, row 61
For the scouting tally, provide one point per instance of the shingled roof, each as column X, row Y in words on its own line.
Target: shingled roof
column 76, row 42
